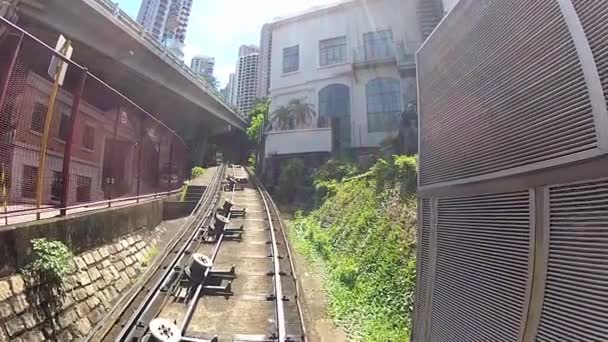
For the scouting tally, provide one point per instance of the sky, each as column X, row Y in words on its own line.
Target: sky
column 218, row 27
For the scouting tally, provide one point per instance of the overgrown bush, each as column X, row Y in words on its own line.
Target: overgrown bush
column 399, row 171
column 364, row 239
column 252, row 160
column 52, row 260
column 328, row 175
column 291, row 178
column 197, row 171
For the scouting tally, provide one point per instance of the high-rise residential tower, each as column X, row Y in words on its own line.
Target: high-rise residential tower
column 247, row 77
column 202, row 65
column 231, row 86
column 265, row 50
column 167, row 21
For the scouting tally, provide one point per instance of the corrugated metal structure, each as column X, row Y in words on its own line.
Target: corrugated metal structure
column 513, row 186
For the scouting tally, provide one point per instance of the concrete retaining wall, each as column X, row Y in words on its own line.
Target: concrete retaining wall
column 102, row 275
column 80, row 232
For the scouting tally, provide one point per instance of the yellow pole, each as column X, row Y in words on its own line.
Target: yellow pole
column 47, row 128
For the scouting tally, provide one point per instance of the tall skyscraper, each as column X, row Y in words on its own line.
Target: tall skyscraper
column 247, row 77
column 264, row 70
column 231, row 88
column 203, row 65
column 167, row 21
column 245, row 50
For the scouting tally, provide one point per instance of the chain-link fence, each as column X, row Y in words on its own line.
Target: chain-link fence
column 69, row 141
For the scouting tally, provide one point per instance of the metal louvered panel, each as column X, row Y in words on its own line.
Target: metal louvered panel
column 594, row 16
column 423, row 264
column 575, row 306
column 500, row 87
column 481, row 268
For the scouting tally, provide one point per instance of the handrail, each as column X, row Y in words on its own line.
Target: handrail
column 24, row 212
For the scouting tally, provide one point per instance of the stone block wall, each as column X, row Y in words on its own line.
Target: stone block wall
column 29, row 313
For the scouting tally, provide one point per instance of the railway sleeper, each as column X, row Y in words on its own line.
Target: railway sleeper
column 228, row 208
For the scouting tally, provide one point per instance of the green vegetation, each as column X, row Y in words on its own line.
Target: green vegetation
column 257, row 119
column 52, row 260
column 296, row 114
column 257, row 116
column 150, row 256
column 197, row 171
column 362, row 234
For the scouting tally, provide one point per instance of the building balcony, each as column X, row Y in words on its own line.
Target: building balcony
column 398, row 53
column 298, row 141
column 406, row 57
column 364, row 56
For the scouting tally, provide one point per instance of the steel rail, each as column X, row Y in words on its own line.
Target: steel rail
column 153, row 293
column 294, row 277
column 278, row 287
column 268, row 199
column 194, row 302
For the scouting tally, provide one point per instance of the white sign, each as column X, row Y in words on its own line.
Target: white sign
column 123, row 117
column 63, row 68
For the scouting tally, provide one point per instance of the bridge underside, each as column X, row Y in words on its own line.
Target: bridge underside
column 128, row 65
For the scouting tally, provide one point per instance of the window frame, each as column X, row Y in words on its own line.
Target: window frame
column 370, row 52
column 33, row 120
column 83, row 181
column 344, row 52
column 84, row 138
column 379, row 100
column 297, row 55
column 67, row 127
column 32, row 177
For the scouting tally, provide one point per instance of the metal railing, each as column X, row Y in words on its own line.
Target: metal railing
column 400, row 52
column 77, row 143
column 157, row 46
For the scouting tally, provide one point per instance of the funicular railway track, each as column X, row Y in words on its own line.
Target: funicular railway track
column 231, row 278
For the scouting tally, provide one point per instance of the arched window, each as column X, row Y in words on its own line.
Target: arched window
column 383, row 97
column 334, row 108
column 334, row 101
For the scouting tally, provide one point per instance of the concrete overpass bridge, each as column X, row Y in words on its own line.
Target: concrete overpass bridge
column 118, row 50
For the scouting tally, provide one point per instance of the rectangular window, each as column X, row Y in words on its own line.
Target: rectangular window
column 88, row 139
column 38, row 117
column 332, row 51
column 29, row 178
column 378, row 45
column 83, row 189
column 64, row 127
column 56, row 187
column 291, row 59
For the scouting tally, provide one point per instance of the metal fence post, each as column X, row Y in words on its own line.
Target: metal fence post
column 67, row 154
column 9, row 71
column 112, row 178
column 140, row 147
column 170, row 170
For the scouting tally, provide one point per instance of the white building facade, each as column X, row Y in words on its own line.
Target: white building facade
column 203, row 65
column 352, row 65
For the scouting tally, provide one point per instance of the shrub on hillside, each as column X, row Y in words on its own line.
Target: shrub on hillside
column 365, row 239
column 197, row 171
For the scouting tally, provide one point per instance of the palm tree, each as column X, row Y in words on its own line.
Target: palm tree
column 282, row 117
column 296, row 114
column 303, row 112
